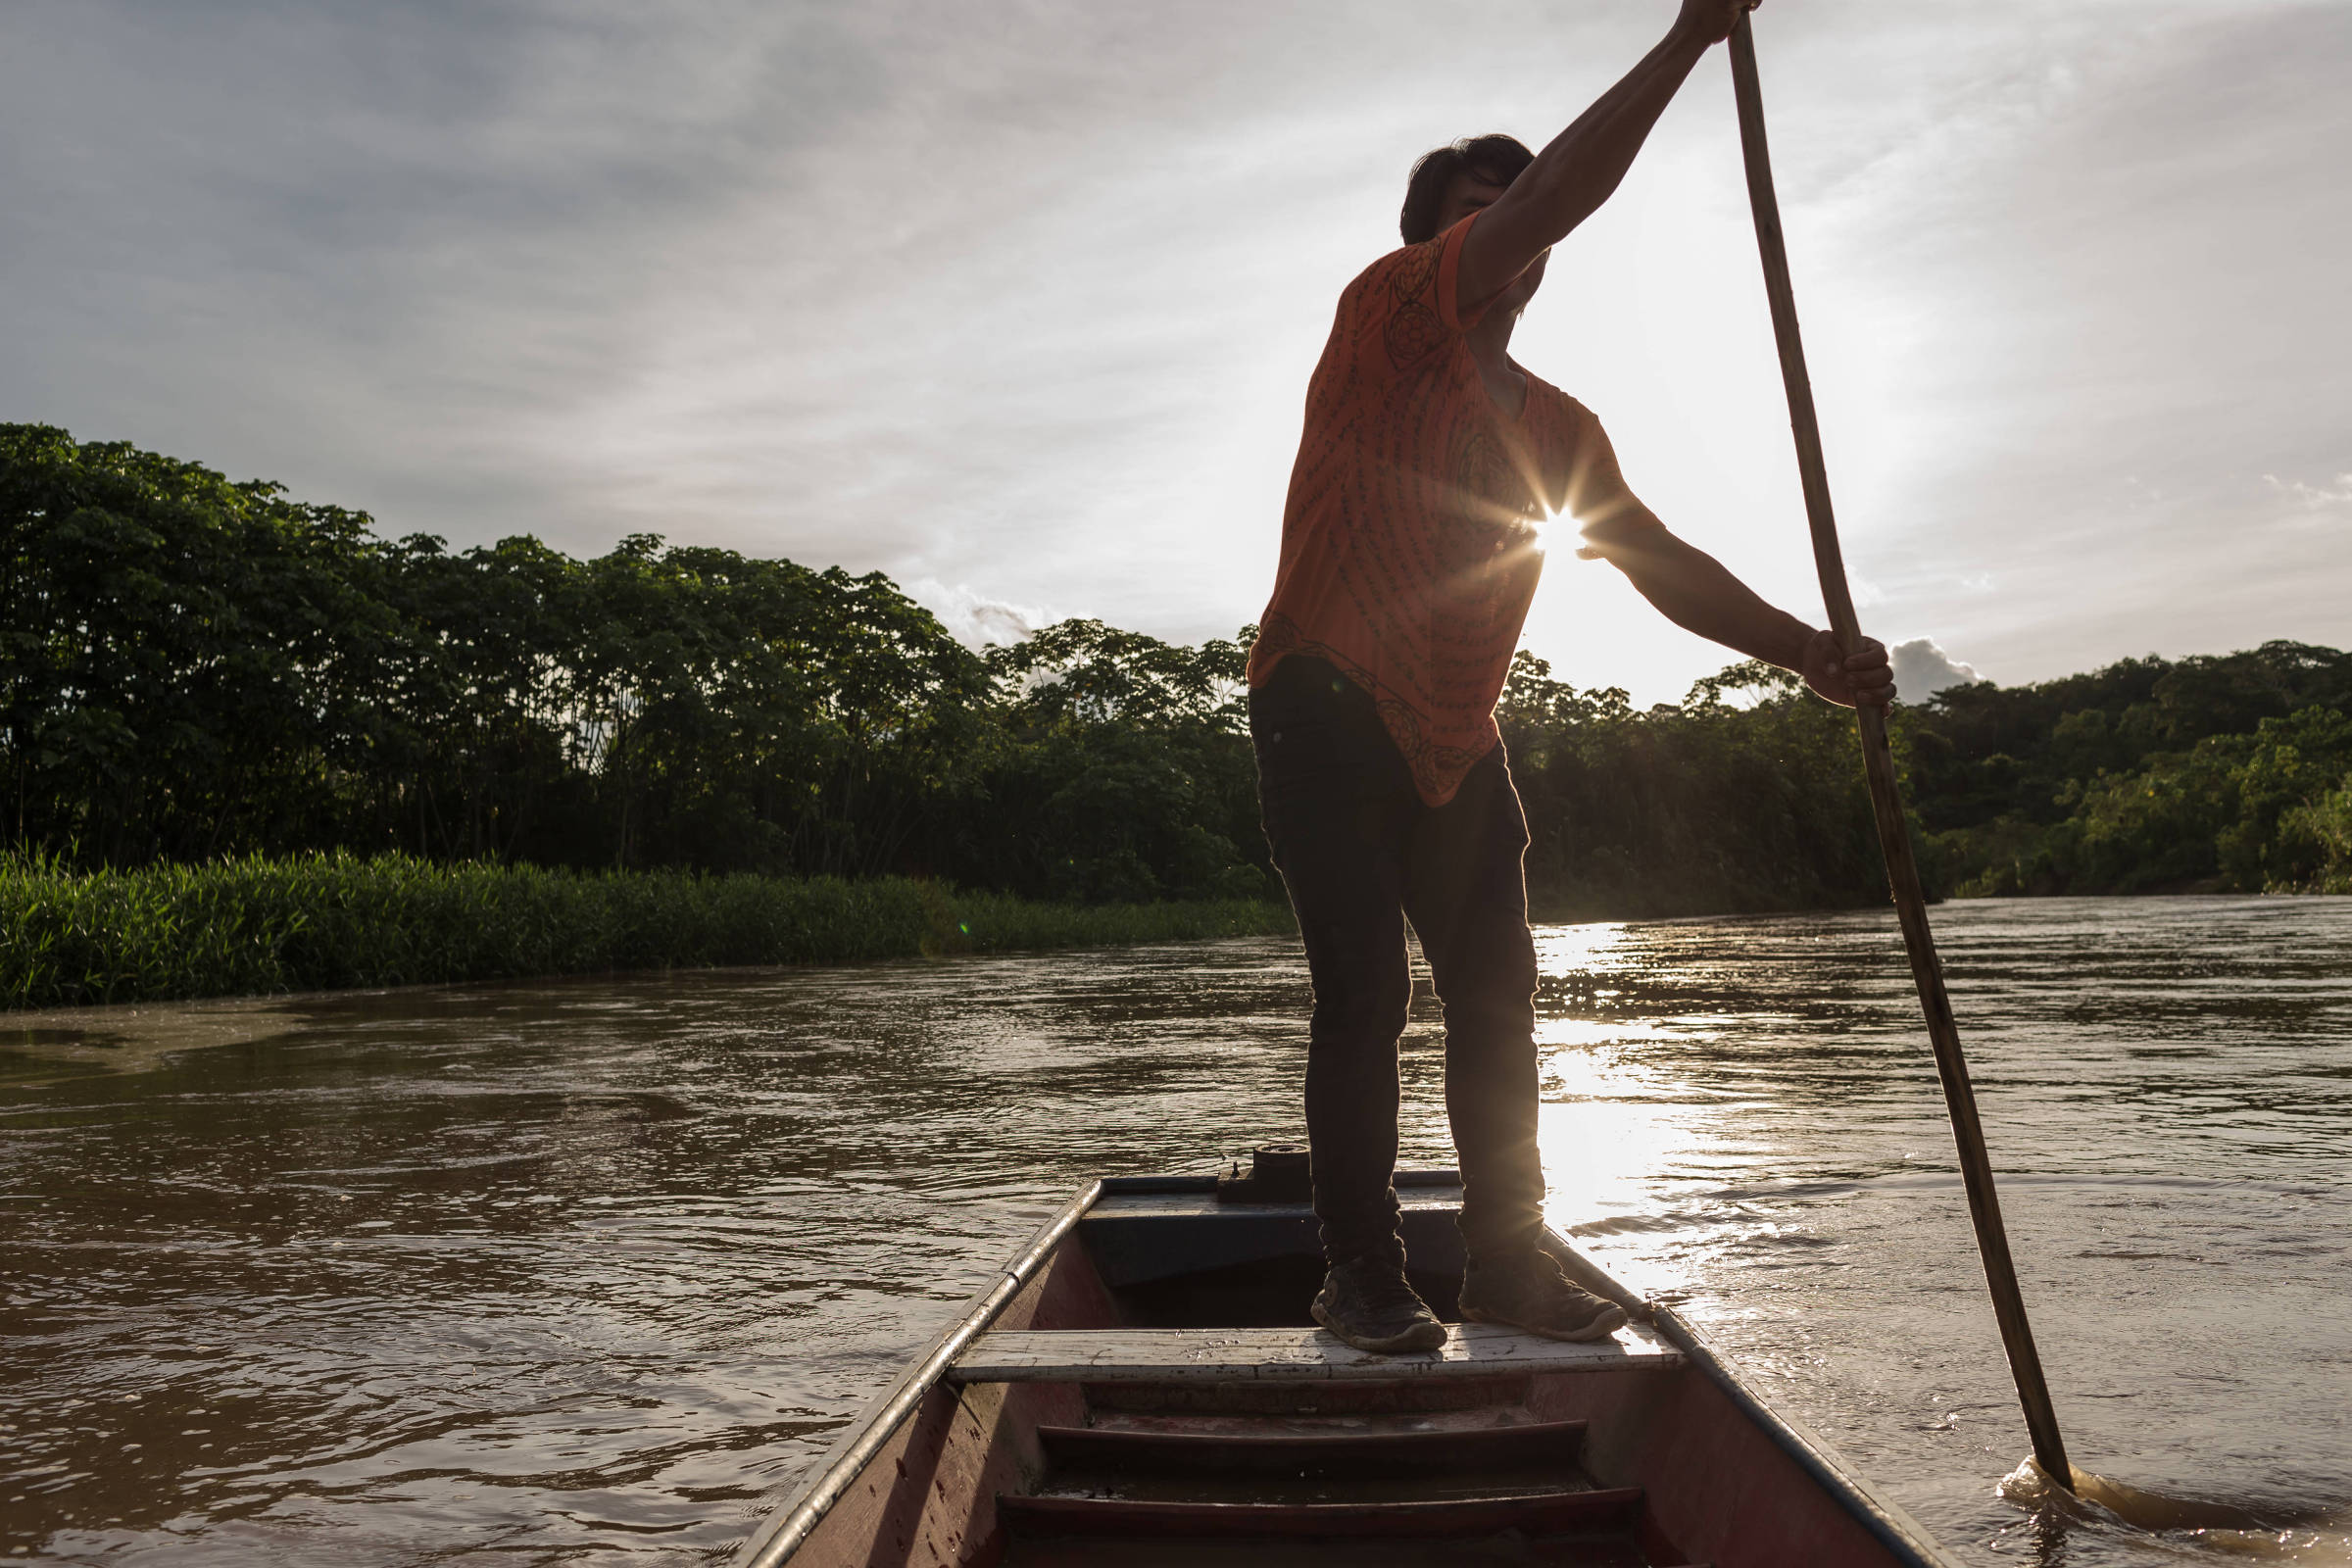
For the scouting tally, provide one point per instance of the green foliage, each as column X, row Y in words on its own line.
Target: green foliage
column 1129, row 776
column 193, row 668
column 176, row 651
column 1709, row 806
column 252, row 925
column 2232, row 812
column 2221, row 773
column 2321, row 830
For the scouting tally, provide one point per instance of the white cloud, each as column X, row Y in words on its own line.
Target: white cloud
column 974, row 618
column 1922, row 669
column 2338, row 494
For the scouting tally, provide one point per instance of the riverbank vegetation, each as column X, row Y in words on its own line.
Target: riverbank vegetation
column 251, row 925
column 2216, row 774
column 2229, row 773
column 194, row 670
column 191, row 668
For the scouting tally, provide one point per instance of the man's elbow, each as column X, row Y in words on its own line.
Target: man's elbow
column 1624, row 536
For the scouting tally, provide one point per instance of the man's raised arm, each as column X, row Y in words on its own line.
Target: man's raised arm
column 1581, row 168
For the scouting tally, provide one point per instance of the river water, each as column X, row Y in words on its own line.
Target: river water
column 591, row 1272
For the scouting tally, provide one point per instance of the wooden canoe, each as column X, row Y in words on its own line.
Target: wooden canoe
column 1141, row 1387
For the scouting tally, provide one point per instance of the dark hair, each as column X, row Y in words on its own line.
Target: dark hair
column 1495, row 159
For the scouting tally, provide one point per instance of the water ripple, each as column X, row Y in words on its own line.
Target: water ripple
column 593, row 1271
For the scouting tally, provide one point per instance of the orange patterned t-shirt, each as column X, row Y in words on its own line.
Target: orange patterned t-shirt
column 1409, row 547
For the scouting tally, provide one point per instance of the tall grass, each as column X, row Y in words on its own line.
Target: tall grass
column 327, row 921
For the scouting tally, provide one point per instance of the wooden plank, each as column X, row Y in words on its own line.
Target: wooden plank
column 1288, row 1355
column 1313, row 1454
column 1582, row 1548
column 1246, row 1398
column 1204, row 1205
column 1541, row 1512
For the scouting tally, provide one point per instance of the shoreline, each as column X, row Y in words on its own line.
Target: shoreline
column 265, row 928
column 296, row 921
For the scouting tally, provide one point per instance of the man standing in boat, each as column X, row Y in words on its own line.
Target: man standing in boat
column 1410, row 550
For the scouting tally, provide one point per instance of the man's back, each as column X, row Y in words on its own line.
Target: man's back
column 1410, row 544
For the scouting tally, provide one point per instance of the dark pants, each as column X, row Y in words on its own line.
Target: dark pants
column 1362, row 854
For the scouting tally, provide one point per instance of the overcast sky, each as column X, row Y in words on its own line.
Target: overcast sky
column 1017, row 301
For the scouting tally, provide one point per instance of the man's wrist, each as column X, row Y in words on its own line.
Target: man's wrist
column 1686, row 40
column 1797, row 637
column 1690, row 33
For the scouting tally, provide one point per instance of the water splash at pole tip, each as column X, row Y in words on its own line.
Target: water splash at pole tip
column 2271, row 1533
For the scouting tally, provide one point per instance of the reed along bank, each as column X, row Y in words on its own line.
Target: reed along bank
column 317, row 922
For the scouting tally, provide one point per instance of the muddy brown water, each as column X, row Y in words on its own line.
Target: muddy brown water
column 592, row 1272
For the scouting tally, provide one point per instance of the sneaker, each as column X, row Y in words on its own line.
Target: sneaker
column 1367, row 1302
column 1531, row 1292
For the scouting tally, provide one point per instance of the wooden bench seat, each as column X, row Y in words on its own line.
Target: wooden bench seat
column 1288, row 1355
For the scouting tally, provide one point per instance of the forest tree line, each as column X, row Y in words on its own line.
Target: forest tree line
column 191, row 667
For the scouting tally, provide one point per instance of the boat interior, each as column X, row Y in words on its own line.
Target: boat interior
column 1153, row 1392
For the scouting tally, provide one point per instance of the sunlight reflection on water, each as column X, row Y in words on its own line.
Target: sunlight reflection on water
column 594, row 1269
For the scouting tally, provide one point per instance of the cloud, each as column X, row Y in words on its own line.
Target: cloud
column 974, row 618
column 1023, row 299
column 1922, row 669
column 2109, row 292
column 2338, row 494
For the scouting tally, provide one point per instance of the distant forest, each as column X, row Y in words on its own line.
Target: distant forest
column 191, row 667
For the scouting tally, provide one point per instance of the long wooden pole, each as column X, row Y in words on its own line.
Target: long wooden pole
column 1878, row 761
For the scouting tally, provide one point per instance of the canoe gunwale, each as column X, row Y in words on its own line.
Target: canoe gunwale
column 873, row 1427
column 1893, row 1529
